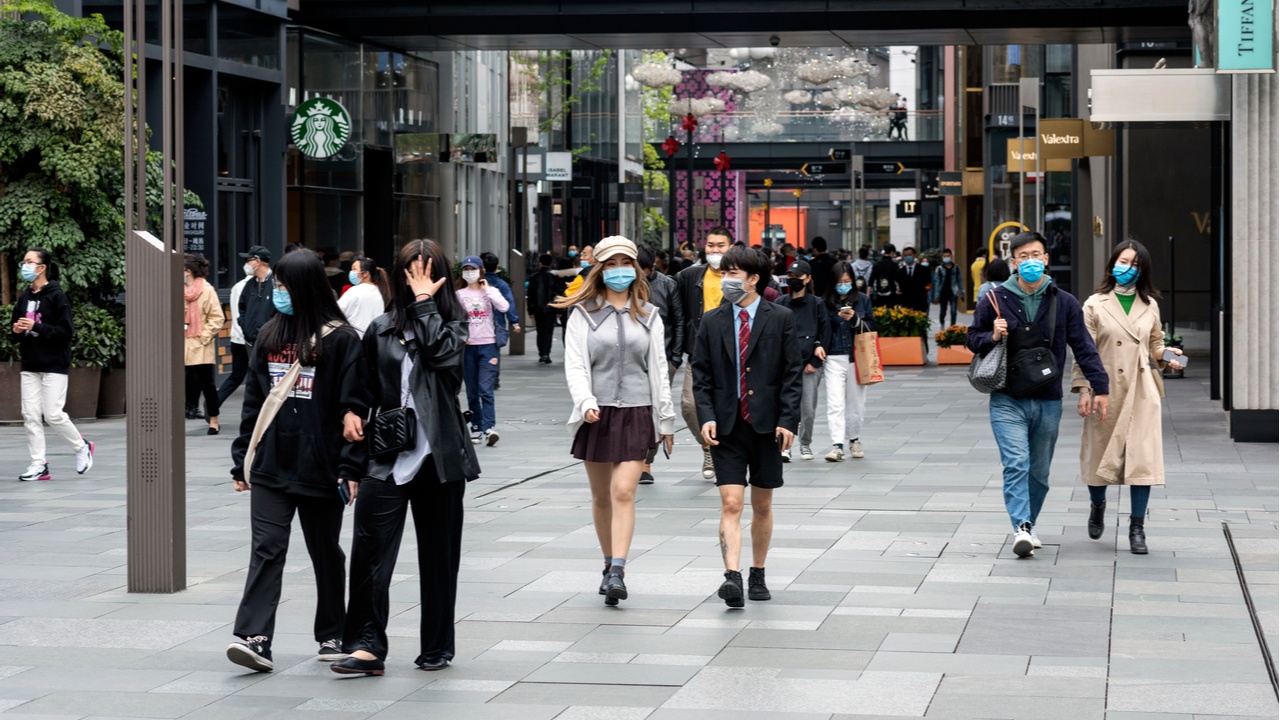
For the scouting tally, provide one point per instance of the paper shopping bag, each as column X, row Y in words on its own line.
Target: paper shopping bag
column 866, row 358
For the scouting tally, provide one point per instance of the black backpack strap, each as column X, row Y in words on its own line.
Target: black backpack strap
column 1053, row 317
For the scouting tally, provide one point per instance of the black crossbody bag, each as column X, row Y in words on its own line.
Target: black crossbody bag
column 392, row 432
column 1031, row 364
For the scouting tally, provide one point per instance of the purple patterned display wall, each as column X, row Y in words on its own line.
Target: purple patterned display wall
column 708, row 142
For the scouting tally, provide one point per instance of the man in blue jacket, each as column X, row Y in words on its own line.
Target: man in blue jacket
column 504, row 323
column 1026, row 428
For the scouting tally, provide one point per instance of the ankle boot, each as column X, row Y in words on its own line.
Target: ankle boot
column 1097, row 519
column 1137, row 536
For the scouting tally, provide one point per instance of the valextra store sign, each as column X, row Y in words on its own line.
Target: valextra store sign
column 320, row 127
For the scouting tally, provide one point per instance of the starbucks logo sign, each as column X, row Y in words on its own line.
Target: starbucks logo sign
column 321, row 127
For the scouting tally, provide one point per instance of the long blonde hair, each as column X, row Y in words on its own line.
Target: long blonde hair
column 593, row 288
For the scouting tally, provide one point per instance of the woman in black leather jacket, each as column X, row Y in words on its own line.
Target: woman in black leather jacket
column 415, row 354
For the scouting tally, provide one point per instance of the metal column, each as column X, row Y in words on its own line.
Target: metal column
column 156, row 452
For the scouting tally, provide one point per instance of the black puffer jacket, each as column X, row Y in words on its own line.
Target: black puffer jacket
column 436, row 379
column 664, row 293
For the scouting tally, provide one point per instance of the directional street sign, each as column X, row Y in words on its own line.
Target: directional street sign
column 840, row 153
column 823, row 168
column 889, row 168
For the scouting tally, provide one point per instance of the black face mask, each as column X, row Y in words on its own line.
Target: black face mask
column 796, row 284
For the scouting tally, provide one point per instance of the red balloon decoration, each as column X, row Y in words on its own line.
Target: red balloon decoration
column 722, row 162
column 690, row 123
column 671, row 146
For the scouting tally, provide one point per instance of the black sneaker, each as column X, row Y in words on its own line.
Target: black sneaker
column 604, row 578
column 331, row 650
column 731, row 589
column 545, row 360
column 615, row 588
column 646, row 477
column 756, row 589
column 253, row 653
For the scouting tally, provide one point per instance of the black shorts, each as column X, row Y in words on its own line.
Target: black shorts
column 744, row 451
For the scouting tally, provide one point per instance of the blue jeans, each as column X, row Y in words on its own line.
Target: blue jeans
column 945, row 304
column 480, row 370
column 1026, row 431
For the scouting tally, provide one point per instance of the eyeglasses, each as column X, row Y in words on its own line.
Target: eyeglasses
column 1029, row 256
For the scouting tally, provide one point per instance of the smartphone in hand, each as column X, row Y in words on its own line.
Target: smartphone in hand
column 343, row 492
column 1171, row 356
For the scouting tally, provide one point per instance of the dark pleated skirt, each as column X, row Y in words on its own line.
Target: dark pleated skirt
column 620, row 435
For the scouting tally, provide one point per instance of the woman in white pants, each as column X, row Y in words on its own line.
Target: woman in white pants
column 846, row 399
column 42, row 321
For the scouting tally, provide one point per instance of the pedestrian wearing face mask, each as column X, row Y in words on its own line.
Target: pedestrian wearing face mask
column 202, row 319
column 850, row 313
column 1125, row 447
column 913, row 281
column 583, row 265
column 748, row 382
column 369, row 295
column 482, row 302
column 812, row 329
column 616, row 366
column 1029, row 313
column 43, row 328
column 256, row 306
column 947, row 288
column 700, row 293
column 239, row 351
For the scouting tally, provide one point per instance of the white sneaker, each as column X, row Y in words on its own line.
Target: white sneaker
column 1035, row 540
column 806, row 452
column 84, row 457
column 786, row 456
column 36, row 471
column 477, row 438
column 836, row 454
column 1022, row 543
column 491, row 437
column 855, row 449
column 708, row 467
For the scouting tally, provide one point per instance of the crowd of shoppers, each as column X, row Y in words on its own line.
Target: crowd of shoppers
column 352, row 397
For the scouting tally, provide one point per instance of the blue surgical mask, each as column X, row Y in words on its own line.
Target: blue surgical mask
column 619, row 278
column 353, row 277
column 29, row 273
column 909, row 259
column 844, row 288
column 282, row 301
column 946, row 260
column 1126, row 275
column 585, row 264
column 1031, row 270
column 573, row 253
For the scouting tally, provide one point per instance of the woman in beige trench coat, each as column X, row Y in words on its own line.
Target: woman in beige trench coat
column 202, row 319
column 1126, row 447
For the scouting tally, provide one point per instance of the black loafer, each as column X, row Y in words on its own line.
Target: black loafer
column 430, row 664
column 356, row 666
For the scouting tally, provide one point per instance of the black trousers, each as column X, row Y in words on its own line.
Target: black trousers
column 546, row 326
column 239, row 368
column 199, row 379
column 271, row 515
column 437, row 520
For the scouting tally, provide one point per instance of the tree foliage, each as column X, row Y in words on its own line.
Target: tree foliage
column 62, row 163
column 654, row 104
column 560, row 90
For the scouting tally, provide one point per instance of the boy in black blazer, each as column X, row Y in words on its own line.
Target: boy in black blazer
column 747, row 386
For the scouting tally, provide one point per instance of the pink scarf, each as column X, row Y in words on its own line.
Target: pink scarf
column 191, row 293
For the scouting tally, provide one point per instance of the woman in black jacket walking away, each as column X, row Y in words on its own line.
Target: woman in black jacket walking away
column 415, row 356
column 301, row 463
column 42, row 321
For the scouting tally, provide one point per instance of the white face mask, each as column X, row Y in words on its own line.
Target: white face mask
column 714, row 260
column 470, row 276
column 248, row 269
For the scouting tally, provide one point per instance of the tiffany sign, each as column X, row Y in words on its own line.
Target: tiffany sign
column 320, row 127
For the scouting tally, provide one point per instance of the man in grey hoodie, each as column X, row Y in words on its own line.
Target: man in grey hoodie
column 862, row 266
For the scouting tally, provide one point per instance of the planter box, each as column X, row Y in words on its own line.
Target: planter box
column 901, row 351
column 10, row 392
column 82, row 393
column 111, row 393
column 954, row 355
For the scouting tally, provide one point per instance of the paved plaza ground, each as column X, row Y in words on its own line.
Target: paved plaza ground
column 895, row 593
